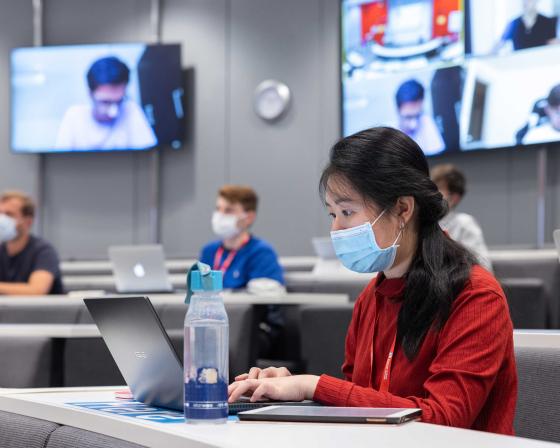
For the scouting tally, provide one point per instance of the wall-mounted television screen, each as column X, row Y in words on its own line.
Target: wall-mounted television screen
column 455, row 75
column 106, row 97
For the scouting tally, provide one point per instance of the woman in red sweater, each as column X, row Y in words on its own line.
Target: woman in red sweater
column 433, row 330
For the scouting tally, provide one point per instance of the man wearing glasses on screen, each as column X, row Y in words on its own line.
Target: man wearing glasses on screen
column 414, row 122
column 111, row 120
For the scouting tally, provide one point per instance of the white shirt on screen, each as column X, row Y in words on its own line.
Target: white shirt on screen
column 80, row 131
column 541, row 134
column 464, row 229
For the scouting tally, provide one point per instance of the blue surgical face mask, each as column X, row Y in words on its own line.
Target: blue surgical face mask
column 8, row 228
column 358, row 250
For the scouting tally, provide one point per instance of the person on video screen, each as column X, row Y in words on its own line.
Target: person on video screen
column 530, row 30
column 550, row 129
column 110, row 120
column 414, row 122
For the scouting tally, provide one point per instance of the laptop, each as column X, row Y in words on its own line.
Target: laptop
column 327, row 263
column 139, row 269
column 323, row 248
column 556, row 236
column 144, row 354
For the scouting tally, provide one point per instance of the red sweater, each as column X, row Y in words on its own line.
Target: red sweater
column 464, row 375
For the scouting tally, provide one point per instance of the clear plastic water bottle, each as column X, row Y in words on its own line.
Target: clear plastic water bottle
column 206, row 350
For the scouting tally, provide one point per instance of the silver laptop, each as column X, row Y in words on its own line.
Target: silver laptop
column 323, row 248
column 139, row 269
column 144, row 354
column 556, row 236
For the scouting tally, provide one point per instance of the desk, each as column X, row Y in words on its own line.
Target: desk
column 55, row 331
column 522, row 254
column 536, row 338
column 178, row 266
column 230, row 298
column 49, row 404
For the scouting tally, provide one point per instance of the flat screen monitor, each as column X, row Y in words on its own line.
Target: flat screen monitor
column 106, row 97
column 455, row 75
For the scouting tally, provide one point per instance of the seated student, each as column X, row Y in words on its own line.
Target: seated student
column 28, row 264
column 462, row 227
column 433, row 330
column 241, row 256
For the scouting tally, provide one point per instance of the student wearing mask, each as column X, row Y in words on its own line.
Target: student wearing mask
column 28, row 264
column 433, row 330
column 242, row 257
column 462, row 227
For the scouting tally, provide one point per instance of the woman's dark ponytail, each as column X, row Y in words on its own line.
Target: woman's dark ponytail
column 383, row 164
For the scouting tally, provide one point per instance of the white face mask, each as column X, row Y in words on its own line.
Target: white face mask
column 8, row 228
column 225, row 226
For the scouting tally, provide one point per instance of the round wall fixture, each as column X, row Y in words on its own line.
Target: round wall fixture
column 272, row 98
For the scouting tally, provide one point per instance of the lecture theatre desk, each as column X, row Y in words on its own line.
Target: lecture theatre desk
column 230, row 298
column 52, row 405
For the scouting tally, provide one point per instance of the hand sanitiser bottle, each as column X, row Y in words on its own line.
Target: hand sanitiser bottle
column 206, row 348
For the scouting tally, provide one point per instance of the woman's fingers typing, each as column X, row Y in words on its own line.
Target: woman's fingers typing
column 269, row 372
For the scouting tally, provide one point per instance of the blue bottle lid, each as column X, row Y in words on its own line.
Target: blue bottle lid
column 202, row 278
column 213, row 281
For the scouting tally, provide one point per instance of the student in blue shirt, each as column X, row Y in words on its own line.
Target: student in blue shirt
column 241, row 256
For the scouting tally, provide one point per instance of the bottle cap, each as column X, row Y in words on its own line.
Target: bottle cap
column 201, row 278
column 209, row 282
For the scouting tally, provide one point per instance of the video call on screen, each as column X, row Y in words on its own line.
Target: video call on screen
column 104, row 97
column 454, row 75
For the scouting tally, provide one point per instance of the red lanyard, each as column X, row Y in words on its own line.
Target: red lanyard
column 386, row 378
column 229, row 259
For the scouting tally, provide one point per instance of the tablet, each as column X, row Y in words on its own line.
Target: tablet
column 245, row 404
column 327, row 414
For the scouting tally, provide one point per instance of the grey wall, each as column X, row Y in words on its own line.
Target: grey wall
column 91, row 201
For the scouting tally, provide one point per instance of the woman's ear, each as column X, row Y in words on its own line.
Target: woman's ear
column 404, row 208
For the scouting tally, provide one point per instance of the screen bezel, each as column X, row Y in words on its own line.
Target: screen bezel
column 467, row 19
column 158, row 145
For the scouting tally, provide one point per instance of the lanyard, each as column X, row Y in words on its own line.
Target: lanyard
column 386, row 378
column 229, row 259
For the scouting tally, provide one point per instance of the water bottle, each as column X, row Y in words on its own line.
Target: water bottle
column 206, row 350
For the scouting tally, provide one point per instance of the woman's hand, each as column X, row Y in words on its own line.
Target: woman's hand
column 284, row 388
column 270, row 372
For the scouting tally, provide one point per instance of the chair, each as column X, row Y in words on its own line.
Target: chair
column 70, row 437
column 18, row 431
column 528, row 305
column 323, row 335
column 537, row 414
column 27, row 362
column 545, row 268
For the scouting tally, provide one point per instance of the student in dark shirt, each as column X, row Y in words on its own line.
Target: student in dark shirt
column 530, row 30
column 28, row 264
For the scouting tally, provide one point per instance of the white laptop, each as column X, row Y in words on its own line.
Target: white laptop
column 323, row 248
column 328, row 263
column 556, row 236
column 139, row 269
